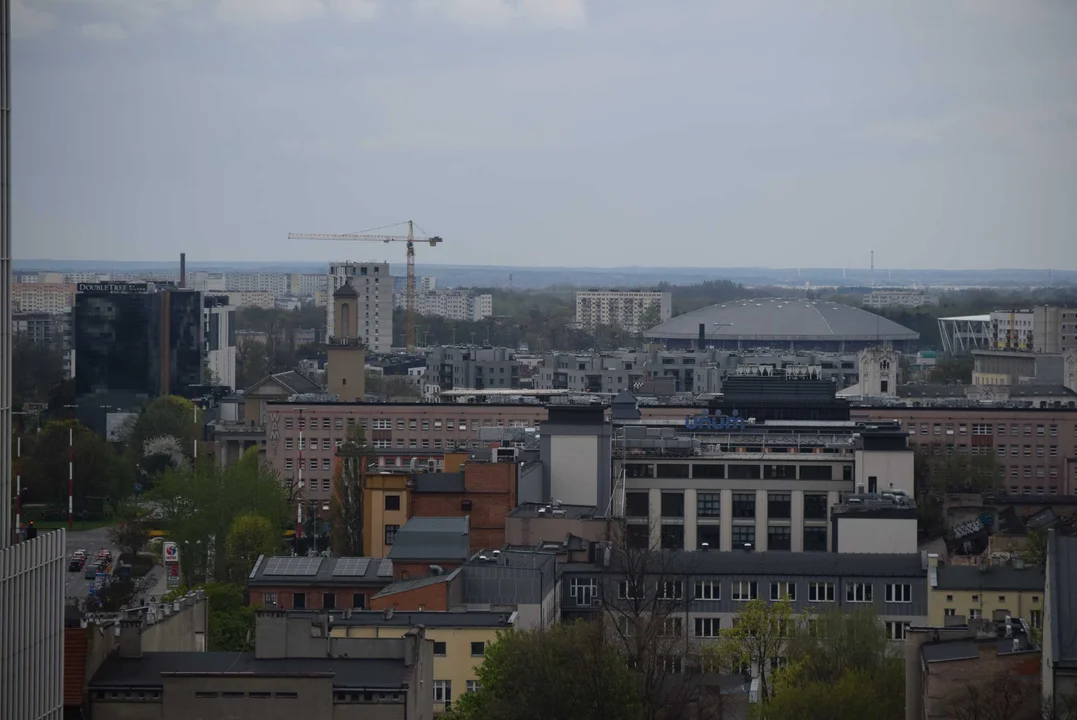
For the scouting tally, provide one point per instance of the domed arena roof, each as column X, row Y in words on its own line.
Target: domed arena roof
column 782, row 320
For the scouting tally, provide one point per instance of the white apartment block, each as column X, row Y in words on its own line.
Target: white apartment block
column 1013, row 329
column 449, row 304
column 306, row 285
column 273, row 283
column 375, row 303
column 626, row 308
column 879, row 299
column 43, row 297
column 265, row 300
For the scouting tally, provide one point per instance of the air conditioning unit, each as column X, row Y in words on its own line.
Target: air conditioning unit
column 505, row 454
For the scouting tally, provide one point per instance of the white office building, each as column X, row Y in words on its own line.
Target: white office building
column 374, row 309
column 1013, row 329
column 626, row 308
column 219, row 319
column 878, row 299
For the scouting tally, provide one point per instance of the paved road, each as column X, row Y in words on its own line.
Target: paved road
column 93, row 541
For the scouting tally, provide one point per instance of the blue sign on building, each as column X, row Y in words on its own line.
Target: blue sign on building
column 715, row 422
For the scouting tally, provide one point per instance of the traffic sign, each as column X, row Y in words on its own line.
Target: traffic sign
column 171, row 553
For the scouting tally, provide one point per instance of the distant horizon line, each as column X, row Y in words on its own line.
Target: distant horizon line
column 103, row 264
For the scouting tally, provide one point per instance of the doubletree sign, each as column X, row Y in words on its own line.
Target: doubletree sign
column 112, row 287
column 725, row 423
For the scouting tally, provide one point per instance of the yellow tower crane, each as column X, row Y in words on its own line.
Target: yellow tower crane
column 410, row 239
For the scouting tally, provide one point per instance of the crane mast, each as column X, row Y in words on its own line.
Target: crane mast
column 410, row 295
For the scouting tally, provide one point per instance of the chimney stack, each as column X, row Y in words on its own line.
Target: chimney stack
column 702, row 336
column 183, row 270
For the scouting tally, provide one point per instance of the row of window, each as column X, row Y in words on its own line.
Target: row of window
column 722, row 471
column 461, row 425
column 982, row 429
column 443, row 690
column 213, row 695
column 585, row 591
column 1016, row 450
column 709, row 536
column 709, row 505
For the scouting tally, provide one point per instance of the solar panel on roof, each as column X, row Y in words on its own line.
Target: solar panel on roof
column 292, row 566
column 386, row 568
column 351, row 567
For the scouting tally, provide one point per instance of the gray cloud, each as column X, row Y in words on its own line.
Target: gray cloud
column 703, row 132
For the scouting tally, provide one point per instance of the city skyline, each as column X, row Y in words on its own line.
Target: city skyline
column 560, row 133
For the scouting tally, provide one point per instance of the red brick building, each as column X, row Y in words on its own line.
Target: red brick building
column 485, row 492
column 1036, row 448
column 433, row 592
column 317, row 583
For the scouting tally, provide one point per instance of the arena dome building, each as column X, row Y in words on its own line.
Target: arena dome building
column 781, row 323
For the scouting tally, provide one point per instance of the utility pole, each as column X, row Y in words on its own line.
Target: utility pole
column 299, row 500
column 194, row 438
column 71, row 469
column 18, row 470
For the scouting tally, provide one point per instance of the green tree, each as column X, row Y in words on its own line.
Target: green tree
column 1035, row 552
column 346, row 505
column 130, row 536
column 652, row 315
column 231, row 620
column 250, row 536
column 199, row 507
column 838, row 665
column 98, row 471
column 757, row 638
column 36, row 369
column 564, row 671
column 167, row 416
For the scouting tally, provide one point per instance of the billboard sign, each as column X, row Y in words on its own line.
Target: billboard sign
column 171, row 553
column 173, row 579
column 723, row 423
column 113, row 287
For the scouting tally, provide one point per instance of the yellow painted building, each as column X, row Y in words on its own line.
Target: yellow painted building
column 460, row 641
column 969, row 591
column 385, row 505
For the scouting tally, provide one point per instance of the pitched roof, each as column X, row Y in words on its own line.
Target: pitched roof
column 970, row 577
column 346, row 290
column 146, row 671
column 432, row 538
column 295, row 382
column 406, row 585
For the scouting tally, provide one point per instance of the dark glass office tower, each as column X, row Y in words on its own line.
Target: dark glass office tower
column 133, row 344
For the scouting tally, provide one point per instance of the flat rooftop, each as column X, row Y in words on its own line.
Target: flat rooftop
column 546, row 510
column 148, row 671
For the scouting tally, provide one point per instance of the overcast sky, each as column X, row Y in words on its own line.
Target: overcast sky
column 940, row 133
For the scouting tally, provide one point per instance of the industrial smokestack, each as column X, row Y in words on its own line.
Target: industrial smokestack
column 702, row 335
column 183, row 270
